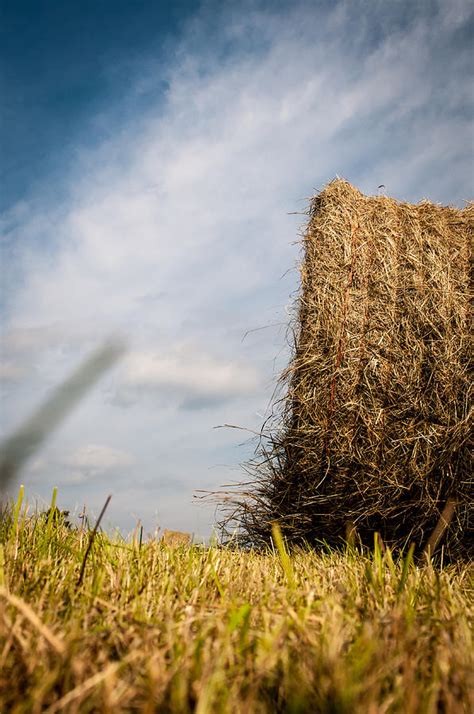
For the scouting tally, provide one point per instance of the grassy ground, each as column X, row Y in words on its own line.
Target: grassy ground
column 156, row 628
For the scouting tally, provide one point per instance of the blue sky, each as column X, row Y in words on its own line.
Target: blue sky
column 63, row 62
column 153, row 158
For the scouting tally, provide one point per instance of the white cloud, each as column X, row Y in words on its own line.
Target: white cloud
column 92, row 460
column 190, row 372
column 176, row 232
column 98, row 457
column 10, row 372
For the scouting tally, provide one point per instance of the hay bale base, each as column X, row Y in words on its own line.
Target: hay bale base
column 375, row 426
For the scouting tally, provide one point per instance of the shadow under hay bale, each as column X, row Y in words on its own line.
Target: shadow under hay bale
column 375, row 427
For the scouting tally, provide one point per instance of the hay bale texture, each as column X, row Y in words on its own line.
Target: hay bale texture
column 376, row 423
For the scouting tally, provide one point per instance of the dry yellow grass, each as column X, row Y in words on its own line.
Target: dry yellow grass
column 154, row 628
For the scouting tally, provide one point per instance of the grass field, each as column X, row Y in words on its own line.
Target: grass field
column 155, row 628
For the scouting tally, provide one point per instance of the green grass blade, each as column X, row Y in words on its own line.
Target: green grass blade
column 285, row 559
column 407, row 563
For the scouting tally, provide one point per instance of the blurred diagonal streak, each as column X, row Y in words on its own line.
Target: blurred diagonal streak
column 24, row 442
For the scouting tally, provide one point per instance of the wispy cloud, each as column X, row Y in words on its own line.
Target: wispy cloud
column 11, row 372
column 189, row 374
column 92, row 460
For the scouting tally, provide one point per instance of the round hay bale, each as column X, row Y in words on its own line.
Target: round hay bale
column 376, row 424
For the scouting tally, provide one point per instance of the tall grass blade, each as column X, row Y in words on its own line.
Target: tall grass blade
column 24, row 442
column 407, row 563
column 51, row 514
column 91, row 540
column 443, row 523
column 2, row 567
column 16, row 512
column 283, row 553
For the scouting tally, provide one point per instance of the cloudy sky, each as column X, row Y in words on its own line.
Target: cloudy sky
column 156, row 160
